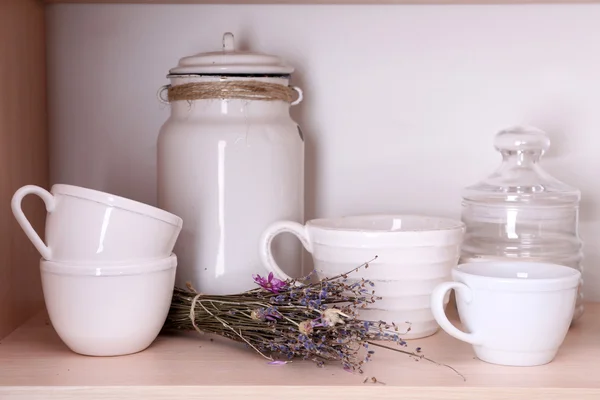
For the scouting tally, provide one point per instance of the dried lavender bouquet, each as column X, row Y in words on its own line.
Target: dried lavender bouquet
column 282, row 320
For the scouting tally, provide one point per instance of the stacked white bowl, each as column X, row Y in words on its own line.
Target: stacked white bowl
column 107, row 267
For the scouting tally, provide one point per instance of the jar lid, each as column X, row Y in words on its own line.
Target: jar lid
column 231, row 62
column 520, row 178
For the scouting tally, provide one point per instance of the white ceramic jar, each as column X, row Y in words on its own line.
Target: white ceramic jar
column 230, row 163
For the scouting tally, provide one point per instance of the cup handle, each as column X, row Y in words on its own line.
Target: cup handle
column 266, row 255
column 437, row 308
column 48, row 199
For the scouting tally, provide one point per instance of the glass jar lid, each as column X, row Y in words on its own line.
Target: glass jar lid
column 520, row 178
column 228, row 61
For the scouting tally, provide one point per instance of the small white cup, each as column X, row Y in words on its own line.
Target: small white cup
column 517, row 313
column 86, row 226
column 414, row 254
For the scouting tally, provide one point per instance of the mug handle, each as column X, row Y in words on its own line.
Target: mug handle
column 15, row 204
column 437, row 308
column 266, row 255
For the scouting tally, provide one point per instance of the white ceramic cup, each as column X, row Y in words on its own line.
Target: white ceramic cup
column 108, row 310
column 92, row 227
column 516, row 313
column 414, row 254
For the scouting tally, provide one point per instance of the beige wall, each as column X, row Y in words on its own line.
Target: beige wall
column 401, row 102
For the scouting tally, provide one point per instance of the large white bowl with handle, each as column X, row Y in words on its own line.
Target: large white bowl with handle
column 414, row 254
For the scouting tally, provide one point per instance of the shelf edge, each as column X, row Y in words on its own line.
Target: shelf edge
column 330, row 2
column 380, row 392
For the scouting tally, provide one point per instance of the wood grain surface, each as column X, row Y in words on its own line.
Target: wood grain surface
column 34, row 363
column 23, row 154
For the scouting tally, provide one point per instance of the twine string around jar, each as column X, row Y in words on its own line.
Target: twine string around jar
column 244, row 90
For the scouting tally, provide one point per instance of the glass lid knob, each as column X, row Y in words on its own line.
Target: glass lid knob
column 519, row 139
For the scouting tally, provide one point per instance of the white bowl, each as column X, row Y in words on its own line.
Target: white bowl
column 108, row 310
column 414, row 254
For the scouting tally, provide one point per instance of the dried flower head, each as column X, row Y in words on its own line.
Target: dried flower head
column 305, row 327
column 271, row 283
column 333, row 316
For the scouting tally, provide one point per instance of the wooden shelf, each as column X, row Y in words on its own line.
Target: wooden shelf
column 492, row 2
column 23, row 155
column 35, row 364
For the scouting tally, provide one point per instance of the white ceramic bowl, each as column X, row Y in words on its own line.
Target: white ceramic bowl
column 414, row 254
column 108, row 310
column 85, row 226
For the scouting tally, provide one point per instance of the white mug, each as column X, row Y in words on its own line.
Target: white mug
column 414, row 254
column 516, row 313
column 92, row 227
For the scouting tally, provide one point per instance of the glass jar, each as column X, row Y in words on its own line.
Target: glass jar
column 522, row 212
column 230, row 163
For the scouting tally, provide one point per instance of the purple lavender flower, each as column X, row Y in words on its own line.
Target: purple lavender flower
column 271, row 283
column 269, row 314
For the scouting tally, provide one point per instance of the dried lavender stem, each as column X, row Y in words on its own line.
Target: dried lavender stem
column 234, row 331
column 410, row 353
